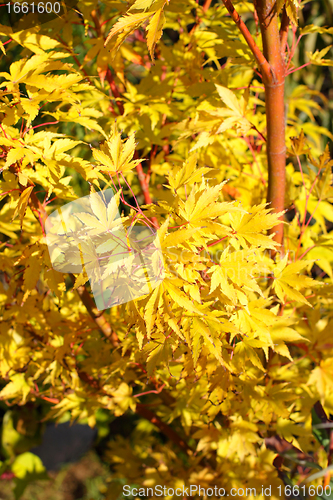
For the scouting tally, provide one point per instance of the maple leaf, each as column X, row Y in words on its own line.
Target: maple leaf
column 322, row 378
column 124, row 26
column 116, row 155
column 180, row 298
column 154, row 31
column 22, row 204
column 2, row 48
column 202, row 205
column 151, row 311
column 18, row 387
column 248, row 227
column 157, row 350
column 212, row 342
column 104, row 217
column 236, row 270
column 188, row 174
column 288, row 281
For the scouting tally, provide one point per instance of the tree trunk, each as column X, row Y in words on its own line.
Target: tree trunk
column 272, row 68
column 275, row 115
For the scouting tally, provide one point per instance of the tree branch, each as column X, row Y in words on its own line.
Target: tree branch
column 97, row 316
column 206, row 5
column 115, row 91
column 263, row 64
column 284, row 30
column 144, row 412
column 321, row 412
column 329, row 460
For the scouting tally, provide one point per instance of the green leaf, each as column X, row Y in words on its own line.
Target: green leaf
column 320, row 433
column 27, row 468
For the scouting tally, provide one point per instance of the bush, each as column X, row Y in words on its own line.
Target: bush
column 209, row 136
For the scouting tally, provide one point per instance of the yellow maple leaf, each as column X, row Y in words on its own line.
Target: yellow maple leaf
column 116, row 155
column 249, row 226
column 154, row 30
column 22, row 204
column 287, row 280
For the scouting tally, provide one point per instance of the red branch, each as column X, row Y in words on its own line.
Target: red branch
column 259, row 56
column 144, row 412
column 115, row 91
column 284, row 30
column 163, row 427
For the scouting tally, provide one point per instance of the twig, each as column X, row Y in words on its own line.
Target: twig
column 206, row 5
column 144, row 412
column 97, row 316
column 115, row 91
column 329, row 460
column 284, row 30
column 264, row 65
column 163, row 427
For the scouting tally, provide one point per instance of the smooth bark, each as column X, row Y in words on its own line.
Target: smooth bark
column 275, row 114
column 272, row 68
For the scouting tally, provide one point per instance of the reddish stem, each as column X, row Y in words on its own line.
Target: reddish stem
column 115, row 90
column 284, row 30
column 41, row 125
column 259, row 56
column 206, row 5
column 164, row 428
column 296, row 69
